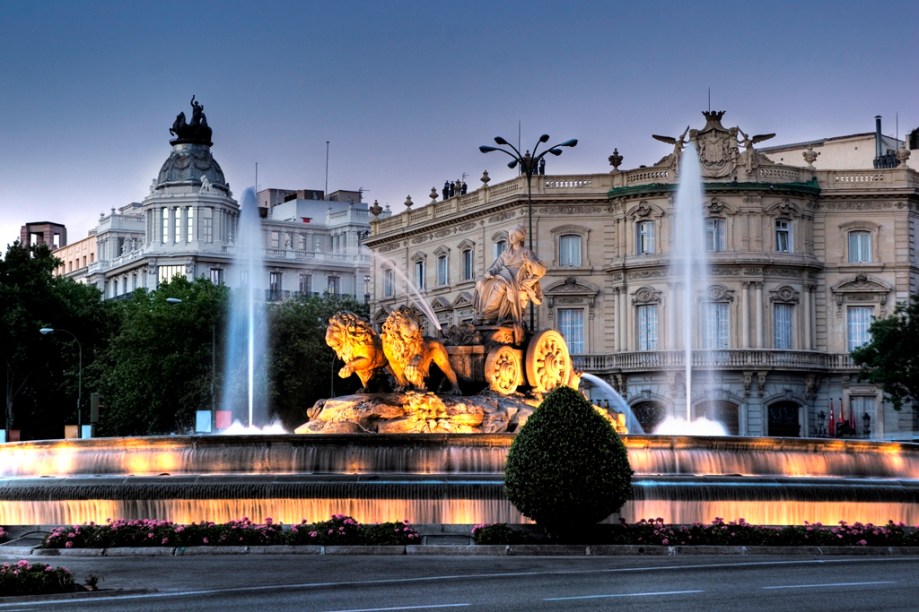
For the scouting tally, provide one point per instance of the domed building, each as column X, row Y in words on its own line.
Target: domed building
column 187, row 226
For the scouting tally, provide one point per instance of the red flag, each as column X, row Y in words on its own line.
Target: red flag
column 832, row 419
column 842, row 412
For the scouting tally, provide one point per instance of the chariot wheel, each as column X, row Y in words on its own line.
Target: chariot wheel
column 503, row 369
column 548, row 364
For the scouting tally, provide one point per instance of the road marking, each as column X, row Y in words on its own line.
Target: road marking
column 428, row 607
column 830, row 584
column 646, row 594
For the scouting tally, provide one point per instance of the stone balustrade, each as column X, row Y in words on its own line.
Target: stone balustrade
column 740, row 359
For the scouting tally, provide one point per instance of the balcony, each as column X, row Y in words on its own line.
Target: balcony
column 741, row 359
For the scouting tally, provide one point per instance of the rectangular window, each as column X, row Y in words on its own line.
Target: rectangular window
column 569, row 251
column 715, row 325
column 217, row 276
column 165, row 225
column 782, row 236
column 859, row 247
column 858, row 321
column 419, row 275
column 571, row 326
column 164, row 273
column 334, row 285
column 190, row 222
column 783, row 326
column 306, row 284
column 275, row 280
column 176, row 225
column 714, row 234
column 443, row 270
column 647, row 327
column 207, row 224
column 388, row 284
column 500, row 247
column 645, row 238
column 468, row 270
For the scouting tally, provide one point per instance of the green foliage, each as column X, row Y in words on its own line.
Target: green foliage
column 656, row 532
column 499, row 533
column 42, row 373
column 24, row 578
column 302, row 368
column 157, row 369
column 890, row 359
column 339, row 530
column 567, row 468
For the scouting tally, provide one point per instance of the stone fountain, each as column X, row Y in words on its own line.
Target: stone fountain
column 427, row 438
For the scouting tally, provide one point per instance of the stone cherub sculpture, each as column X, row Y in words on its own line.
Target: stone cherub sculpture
column 509, row 285
column 358, row 345
column 410, row 354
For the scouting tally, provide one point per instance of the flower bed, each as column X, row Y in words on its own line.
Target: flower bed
column 24, row 578
column 718, row 532
column 340, row 529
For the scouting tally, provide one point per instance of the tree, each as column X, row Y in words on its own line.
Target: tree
column 301, row 367
column 157, row 370
column 890, row 359
column 567, row 469
column 41, row 373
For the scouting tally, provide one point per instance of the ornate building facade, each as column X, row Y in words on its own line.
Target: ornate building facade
column 186, row 226
column 801, row 260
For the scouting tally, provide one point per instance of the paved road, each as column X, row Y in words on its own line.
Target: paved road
column 350, row 583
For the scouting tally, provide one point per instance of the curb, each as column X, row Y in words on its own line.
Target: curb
column 469, row 550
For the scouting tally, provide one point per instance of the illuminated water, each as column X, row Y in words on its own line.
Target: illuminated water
column 245, row 379
column 442, row 479
column 413, row 294
column 617, row 403
column 689, row 262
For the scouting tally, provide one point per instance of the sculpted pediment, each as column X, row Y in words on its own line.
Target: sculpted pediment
column 862, row 283
column 572, row 286
column 463, row 300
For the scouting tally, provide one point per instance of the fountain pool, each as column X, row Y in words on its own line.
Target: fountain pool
column 442, row 478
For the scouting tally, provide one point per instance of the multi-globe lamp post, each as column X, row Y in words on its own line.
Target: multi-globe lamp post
column 529, row 163
column 51, row 330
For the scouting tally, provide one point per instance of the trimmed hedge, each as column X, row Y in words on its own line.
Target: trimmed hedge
column 567, row 469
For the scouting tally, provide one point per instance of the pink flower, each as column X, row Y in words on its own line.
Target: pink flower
column 862, row 543
column 68, row 545
column 204, row 540
column 665, row 541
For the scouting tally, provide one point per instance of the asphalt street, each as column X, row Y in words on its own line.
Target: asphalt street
column 339, row 583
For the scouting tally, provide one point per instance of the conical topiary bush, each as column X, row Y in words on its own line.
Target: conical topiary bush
column 567, row 469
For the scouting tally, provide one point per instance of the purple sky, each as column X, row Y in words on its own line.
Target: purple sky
column 406, row 91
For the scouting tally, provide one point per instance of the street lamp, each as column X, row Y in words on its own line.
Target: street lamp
column 529, row 162
column 175, row 300
column 51, row 330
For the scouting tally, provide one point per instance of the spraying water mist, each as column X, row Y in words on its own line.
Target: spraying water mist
column 413, row 294
column 245, row 380
column 689, row 262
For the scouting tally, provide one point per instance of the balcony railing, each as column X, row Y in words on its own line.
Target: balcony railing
column 741, row 359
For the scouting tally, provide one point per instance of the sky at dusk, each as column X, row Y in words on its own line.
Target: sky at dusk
column 405, row 91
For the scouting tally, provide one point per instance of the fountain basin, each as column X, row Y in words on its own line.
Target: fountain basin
column 442, row 478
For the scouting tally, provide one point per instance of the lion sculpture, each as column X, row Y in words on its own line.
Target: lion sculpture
column 356, row 344
column 410, row 354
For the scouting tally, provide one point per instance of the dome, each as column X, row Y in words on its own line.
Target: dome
column 188, row 164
